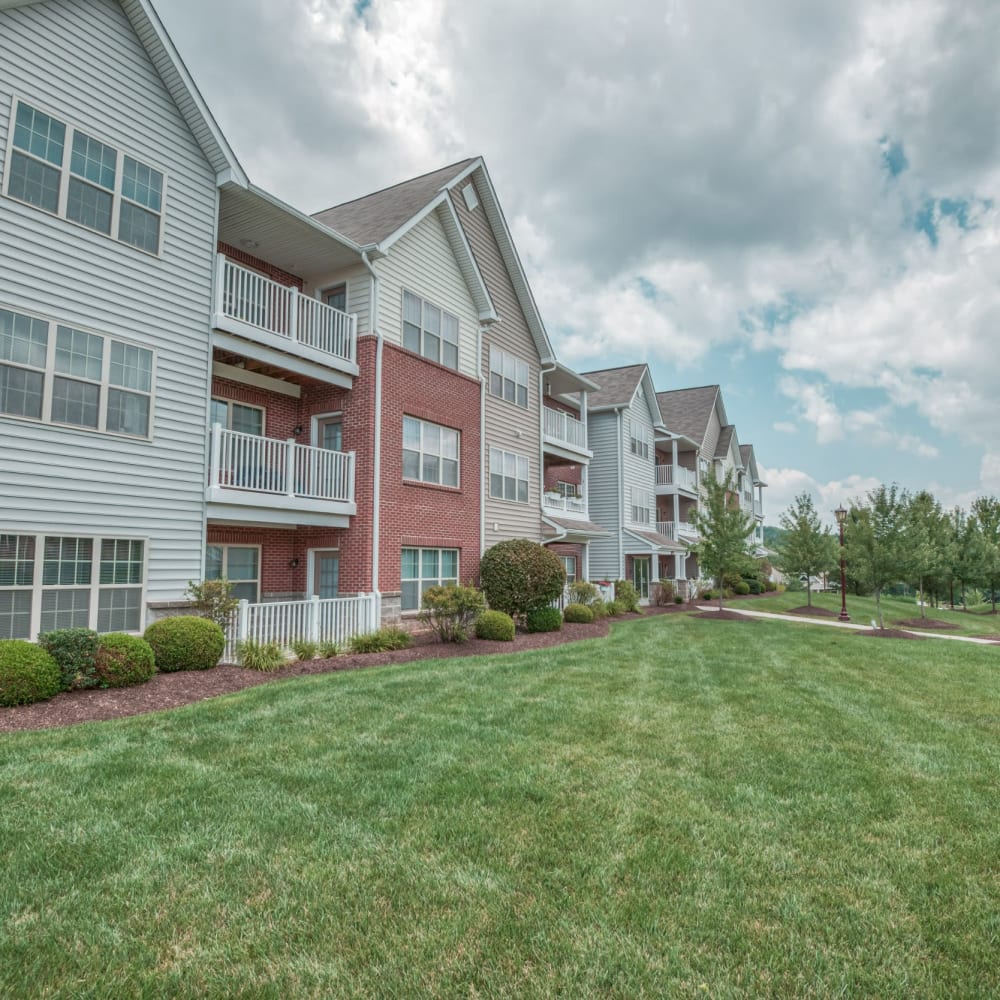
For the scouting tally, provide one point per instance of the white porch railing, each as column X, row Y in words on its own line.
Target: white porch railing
column 268, row 465
column 336, row 619
column 254, row 300
column 560, row 426
column 758, row 508
column 677, row 530
column 569, row 505
column 676, row 475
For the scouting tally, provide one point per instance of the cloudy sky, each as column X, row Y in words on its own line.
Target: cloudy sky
column 798, row 201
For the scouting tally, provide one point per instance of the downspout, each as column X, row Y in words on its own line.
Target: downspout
column 377, row 452
column 542, row 371
column 621, row 497
column 214, row 293
column 483, row 455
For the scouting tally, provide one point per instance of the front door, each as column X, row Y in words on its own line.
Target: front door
column 326, row 572
column 330, row 433
column 640, row 575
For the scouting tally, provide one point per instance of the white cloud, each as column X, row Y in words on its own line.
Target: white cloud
column 784, row 427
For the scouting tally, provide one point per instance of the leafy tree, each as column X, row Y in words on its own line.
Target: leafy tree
column 725, row 543
column 969, row 551
column 926, row 541
column 987, row 513
column 805, row 547
column 875, row 541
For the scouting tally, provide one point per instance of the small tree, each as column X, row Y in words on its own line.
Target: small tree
column 519, row 576
column 724, row 532
column 926, row 547
column 805, row 547
column 214, row 600
column 875, row 541
column 987, row 514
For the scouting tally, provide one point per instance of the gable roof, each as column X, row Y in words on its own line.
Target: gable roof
column 374, row 218
column 617, row 386
column 688, row 411
column 725, row 441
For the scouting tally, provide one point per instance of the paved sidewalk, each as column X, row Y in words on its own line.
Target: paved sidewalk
column 834, row 623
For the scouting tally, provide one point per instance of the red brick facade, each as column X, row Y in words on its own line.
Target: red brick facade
column 245, row 259
column 567, row 549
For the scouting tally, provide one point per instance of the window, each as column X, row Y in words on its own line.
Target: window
column 236, row 417
column 239, row 564
column 430, row 331
column 508, row 377
column 423, row 568
column 50, row 581
column 639, row 442
column 569, row 565
column 61, row 169
column 63, row 375
column 335, row 297
column 568, row 491
column 508, row 476
column 430, row 452
column 642, row 503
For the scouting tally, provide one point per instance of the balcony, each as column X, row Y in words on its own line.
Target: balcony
column 758, row 509
column 678, row 531
column 271, row 481
column 564, row 433
column 564, row 506
column 283, row 325
column 671, row 478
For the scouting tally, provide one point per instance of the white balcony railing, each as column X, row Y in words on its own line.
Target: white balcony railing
column 561, row 427
column 677, row 531
column 253, row 300
column 677, row 475
column 567, row 505
column 758, row 508
column 249, row 463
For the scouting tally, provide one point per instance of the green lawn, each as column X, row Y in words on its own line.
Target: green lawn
column 979, row 621
column 689, row 808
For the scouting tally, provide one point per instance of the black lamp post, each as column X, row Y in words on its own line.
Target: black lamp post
column 841, row 515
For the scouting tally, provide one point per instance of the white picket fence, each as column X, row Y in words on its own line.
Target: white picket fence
column 336, row 619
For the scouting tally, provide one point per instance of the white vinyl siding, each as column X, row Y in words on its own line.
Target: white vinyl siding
column 509, row 377
column 58, row 167
column 604, row 494
column 84, row 63
column 57, row 374
column 57, row 581
column 430, row 330
column 424, row 568
column 643, row 503
column 430, row 452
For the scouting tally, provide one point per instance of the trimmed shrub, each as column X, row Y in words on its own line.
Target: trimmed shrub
column 186, row 642
column 451, row 610
column 626, row 595
column 707, row 595
column 386, row 639
column 584, row 593
column 267, row 657
column 599, row 610
column 214, row 600
column 578, row 614
column 755, row 586
column 27, row 673
column 770, row 586
column 543, row 620
column 742, row 588
column 615, row 608
column 678, row 599
column 123, row 660
column 663, row 593
column 495, row 625
column 305, row 649
column 518, row 576
column 75, row 653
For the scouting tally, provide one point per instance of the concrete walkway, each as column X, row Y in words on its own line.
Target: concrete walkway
column 835, row 623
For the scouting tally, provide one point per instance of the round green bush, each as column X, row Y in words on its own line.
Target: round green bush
column 678, row 599
column 519, row 575
column 186, row 642
column 742, row 588
column 27, row 673
column 495, row 625
column 123, row 660
column 578, row 613
column 544, row 620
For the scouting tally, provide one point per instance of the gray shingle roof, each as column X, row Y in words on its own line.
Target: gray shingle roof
column 376, row 216
column 745, row 450
column 725, row 440
column 617, row 386
column 688, row 411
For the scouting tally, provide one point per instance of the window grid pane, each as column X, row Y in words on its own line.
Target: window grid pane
column 39, row 134
column 15, row 614
column 65, row 609
column 424, row 568
column 17, row 560
column 93, row 161
column 67, row 561
column 138, row 227
column 119, row 610
column 79, row 353
column 75, row 403
column 128, row 413
column 131, row 367
column 23, row 339
column 142, row 184
column 21, row 392
column 34, row 183
column 121, row 561
column 89, row 206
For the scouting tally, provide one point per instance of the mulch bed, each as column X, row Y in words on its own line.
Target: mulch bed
column 890, row 633
column 813, row 612
column 925, row 623
column 724, row 616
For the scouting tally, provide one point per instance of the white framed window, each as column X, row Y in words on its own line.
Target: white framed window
column 240, row 417
column 239, row 564
column 62, row 169
column 569, row 565
column 335, row 296
column 508, row 476
column 429, row 330
column 568, row 491
column 54, row 581
column 643, row 503
column 639, row 441
column 423, row 568
column 430, row 452
column 63, row 375
column 508, row 377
